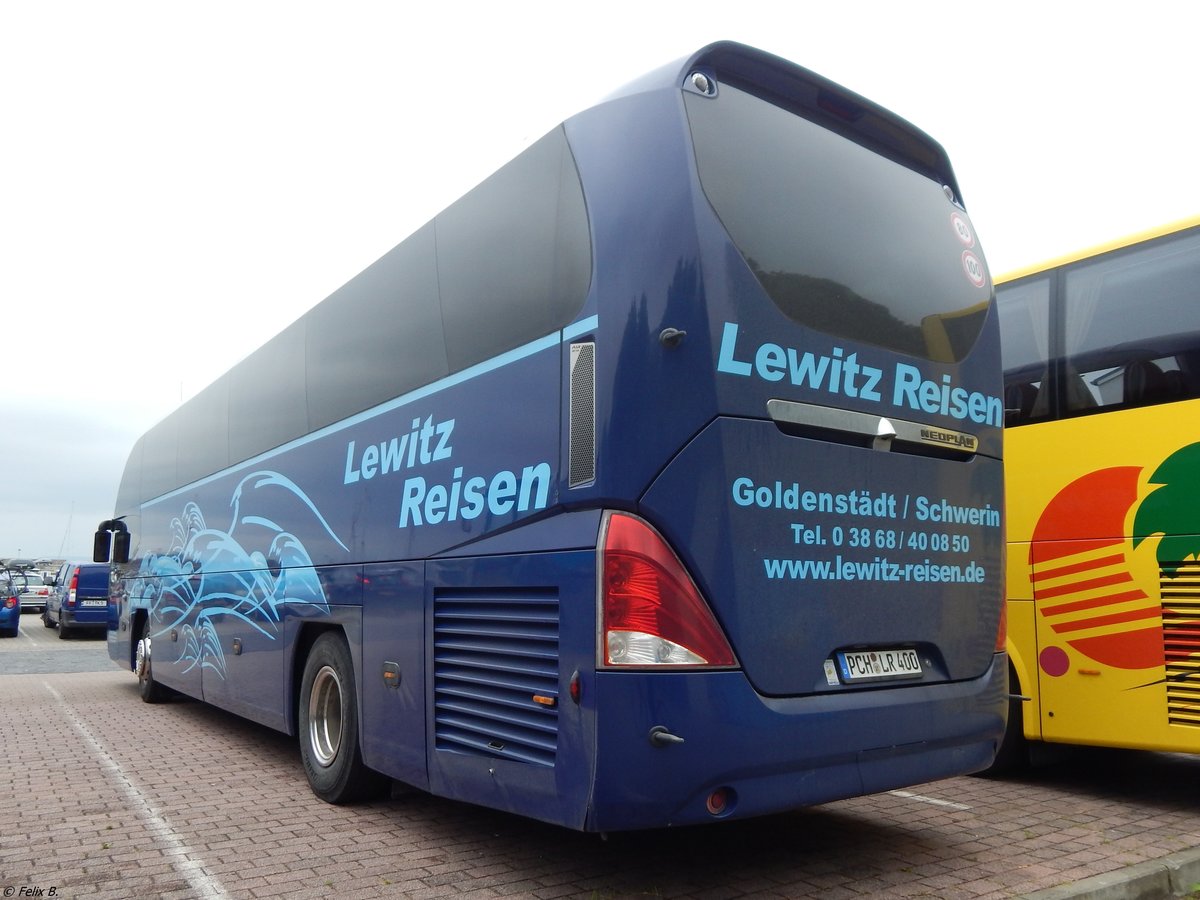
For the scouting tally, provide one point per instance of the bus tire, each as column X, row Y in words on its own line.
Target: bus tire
column 149, row 689
column 328, row 717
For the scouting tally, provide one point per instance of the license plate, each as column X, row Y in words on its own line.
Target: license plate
column 93, row 603
column 869, row 665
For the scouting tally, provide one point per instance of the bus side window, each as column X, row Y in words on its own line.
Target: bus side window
column 1144, row 383
column 1179, row 386
column 1077, row 396
column 1019, row 398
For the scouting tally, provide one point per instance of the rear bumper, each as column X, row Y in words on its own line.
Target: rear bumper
column 771, row 755
column 84, row 618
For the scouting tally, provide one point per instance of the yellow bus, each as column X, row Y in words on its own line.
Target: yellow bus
column 1101, row 354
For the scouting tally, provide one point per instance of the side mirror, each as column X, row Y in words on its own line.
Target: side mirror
column 111, row 533
column 100, row 546
column 121, row 541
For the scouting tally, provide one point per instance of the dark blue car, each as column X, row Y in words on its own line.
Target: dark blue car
column 10, row 607
column 79, row 599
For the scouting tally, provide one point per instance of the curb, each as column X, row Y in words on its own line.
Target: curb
column 1159, row 879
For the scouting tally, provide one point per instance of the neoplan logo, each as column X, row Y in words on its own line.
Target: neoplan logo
column 949, row 438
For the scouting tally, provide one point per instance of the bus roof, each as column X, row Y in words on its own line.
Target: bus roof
column 1106, row 247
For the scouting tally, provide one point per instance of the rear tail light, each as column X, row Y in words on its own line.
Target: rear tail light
column 652, row 613
column 10, row 602
column 71, row 589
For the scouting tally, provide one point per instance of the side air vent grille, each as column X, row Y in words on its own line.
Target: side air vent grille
column 495, row 673
column 582, row 461
column 1181, row 643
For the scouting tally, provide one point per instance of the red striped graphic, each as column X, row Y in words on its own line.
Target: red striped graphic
column 1072, row 562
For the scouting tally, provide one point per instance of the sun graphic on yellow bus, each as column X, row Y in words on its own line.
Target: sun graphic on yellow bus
column 1116, row 578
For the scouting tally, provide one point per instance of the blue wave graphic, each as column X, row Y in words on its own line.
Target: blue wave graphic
column 208, row 574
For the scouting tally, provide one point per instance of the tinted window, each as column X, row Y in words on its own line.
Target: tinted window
column 159, row 462
column 1024, row 310
column 377, row 337
column 508, row 263
column 1118, row 330
column 842, row 239
column 203, row 439
column 1132, row 327
column 266, row 395
column 514, row 255
column 130, row 494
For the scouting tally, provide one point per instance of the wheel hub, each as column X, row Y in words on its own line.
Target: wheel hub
column 325, row 716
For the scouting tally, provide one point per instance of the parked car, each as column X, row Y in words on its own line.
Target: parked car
column 33, row 588
column 10, row 607
column 79, row 599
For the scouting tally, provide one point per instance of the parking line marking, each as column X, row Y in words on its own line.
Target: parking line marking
column 921, row 798
column 183, row 858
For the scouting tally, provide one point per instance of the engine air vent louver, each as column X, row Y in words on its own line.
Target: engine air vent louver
column 496, row 674
column 1181, row 643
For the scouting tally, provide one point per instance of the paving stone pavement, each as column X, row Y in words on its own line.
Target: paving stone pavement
column 104, row 796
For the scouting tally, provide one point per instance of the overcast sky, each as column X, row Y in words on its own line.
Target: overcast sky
column 183, row 180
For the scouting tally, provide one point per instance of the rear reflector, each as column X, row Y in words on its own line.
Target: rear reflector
column 652, row 613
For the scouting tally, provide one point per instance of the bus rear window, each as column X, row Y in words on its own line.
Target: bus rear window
column 842, row 239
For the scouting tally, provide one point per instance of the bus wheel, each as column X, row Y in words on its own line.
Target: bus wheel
column 329, row 725
column 151, row 690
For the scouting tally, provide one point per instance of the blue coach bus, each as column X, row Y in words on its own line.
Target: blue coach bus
column 655, row 481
